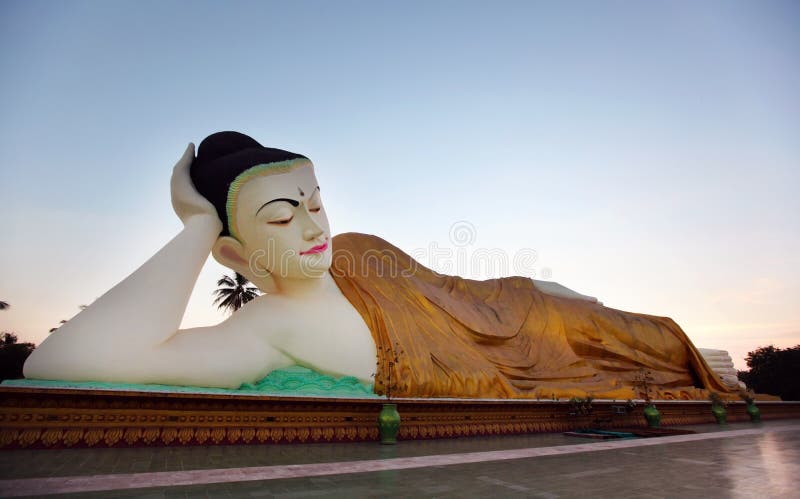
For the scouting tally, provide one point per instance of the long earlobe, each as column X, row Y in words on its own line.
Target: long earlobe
column 230, row 253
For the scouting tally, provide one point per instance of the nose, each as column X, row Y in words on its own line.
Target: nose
column 311, row 229
column 312, row 232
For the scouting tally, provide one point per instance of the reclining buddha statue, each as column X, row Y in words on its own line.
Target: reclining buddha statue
column 336, row 304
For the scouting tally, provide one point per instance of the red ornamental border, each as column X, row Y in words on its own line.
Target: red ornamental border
column 60, row 418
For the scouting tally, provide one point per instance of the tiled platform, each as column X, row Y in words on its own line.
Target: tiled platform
column 739, row 460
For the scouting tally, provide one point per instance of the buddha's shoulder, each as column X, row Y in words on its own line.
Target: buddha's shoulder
column 280, row 312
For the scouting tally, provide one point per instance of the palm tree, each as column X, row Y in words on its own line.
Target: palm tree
column 4, row 305
column 234, row 293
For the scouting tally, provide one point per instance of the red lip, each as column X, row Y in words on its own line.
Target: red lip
column 316, row 249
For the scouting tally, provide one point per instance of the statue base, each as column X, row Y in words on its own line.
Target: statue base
column 59, row 418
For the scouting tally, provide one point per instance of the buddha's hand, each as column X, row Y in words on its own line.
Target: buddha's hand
column 186, row 201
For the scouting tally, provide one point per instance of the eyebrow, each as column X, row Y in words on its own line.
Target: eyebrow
column 292, row 202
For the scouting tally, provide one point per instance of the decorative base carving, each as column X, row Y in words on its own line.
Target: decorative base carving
column 50, row 418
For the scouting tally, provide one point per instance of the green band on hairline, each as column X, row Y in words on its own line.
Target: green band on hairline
column 249, row 174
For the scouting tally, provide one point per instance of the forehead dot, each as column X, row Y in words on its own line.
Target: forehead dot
column 300, row 191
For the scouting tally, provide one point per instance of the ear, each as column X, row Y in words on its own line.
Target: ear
column 229, row 252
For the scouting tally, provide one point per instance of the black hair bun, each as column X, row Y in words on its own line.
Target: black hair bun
column 222, row 144
column 221, row 158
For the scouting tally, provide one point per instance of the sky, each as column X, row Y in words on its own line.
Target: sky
column 646, row 153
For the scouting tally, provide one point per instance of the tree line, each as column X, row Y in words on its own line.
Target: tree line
column 775, row 371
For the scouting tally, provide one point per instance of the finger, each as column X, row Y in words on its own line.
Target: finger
column 181, row 176
column 186, row 160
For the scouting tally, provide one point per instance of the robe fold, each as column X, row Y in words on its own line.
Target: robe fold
column 445, row 336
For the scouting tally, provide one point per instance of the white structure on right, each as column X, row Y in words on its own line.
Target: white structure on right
column 720, row 362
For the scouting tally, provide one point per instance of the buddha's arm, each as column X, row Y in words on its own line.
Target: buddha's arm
column 145, row 309
column 222, row 356
column 138, row 314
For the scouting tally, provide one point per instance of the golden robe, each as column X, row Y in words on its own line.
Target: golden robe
column 445, row 336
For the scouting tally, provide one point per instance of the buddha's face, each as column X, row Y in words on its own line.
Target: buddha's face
column 279, row 227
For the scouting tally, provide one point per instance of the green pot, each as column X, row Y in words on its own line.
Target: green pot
column 754, row 413
column 652, row 416
column 389, row 424
column 720, row 414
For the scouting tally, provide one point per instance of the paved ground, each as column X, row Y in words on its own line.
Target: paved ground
column 738, row 460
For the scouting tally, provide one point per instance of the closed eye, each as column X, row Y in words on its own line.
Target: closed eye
column 280, row 222
column 314, row 210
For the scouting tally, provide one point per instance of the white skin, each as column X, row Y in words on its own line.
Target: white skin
column 131, row 335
